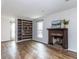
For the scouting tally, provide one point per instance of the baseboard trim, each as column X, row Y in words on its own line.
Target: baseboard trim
column 7, row 41
column 40, row 42
column 23, row 40
column 72, row 50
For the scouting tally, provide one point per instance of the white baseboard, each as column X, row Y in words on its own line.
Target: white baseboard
column 72, row 50
column 40, row 41
column 23, row 40
column 5, row 40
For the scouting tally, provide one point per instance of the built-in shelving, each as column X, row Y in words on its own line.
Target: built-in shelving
column 24, row 29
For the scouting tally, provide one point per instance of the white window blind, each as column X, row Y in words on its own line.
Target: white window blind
column 40, row 29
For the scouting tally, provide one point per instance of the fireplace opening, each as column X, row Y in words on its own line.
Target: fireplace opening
column 57, row 42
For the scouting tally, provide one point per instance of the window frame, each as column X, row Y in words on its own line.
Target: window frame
column 39, row 30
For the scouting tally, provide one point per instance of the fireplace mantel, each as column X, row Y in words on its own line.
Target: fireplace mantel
column 58, row 33
column 57, row 28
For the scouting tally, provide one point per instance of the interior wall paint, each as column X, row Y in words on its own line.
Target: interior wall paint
column 5, row 27
column 70, row 14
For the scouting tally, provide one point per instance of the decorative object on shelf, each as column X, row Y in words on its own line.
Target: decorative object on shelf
column 60, row 23
column 57, row 24
column 66, row 22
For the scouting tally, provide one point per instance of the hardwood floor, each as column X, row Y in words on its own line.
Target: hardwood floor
column 31, row 50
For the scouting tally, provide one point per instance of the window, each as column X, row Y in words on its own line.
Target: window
column 12, row 31
column 40, row 29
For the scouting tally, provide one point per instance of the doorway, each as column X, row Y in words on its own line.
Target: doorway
column 12, row 31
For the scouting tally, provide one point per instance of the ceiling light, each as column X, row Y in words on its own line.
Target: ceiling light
column 66, row 0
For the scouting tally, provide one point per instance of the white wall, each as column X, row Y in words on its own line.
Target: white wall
column 71, row 15
column 5, row 28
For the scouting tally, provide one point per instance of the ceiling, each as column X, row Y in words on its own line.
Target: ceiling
column 34, row 8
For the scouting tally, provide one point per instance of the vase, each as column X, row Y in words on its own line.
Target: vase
column 65, row 26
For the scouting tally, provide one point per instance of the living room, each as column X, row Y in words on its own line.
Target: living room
column 39, row 29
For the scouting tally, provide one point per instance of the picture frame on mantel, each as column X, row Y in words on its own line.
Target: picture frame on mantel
column 59, row 24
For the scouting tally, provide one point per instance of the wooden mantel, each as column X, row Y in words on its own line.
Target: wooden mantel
column 57, row 28
column 60, row 33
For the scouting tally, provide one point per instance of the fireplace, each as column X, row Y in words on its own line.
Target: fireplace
column 58, row 37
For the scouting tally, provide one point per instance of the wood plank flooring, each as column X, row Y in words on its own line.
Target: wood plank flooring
column 31, row 50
